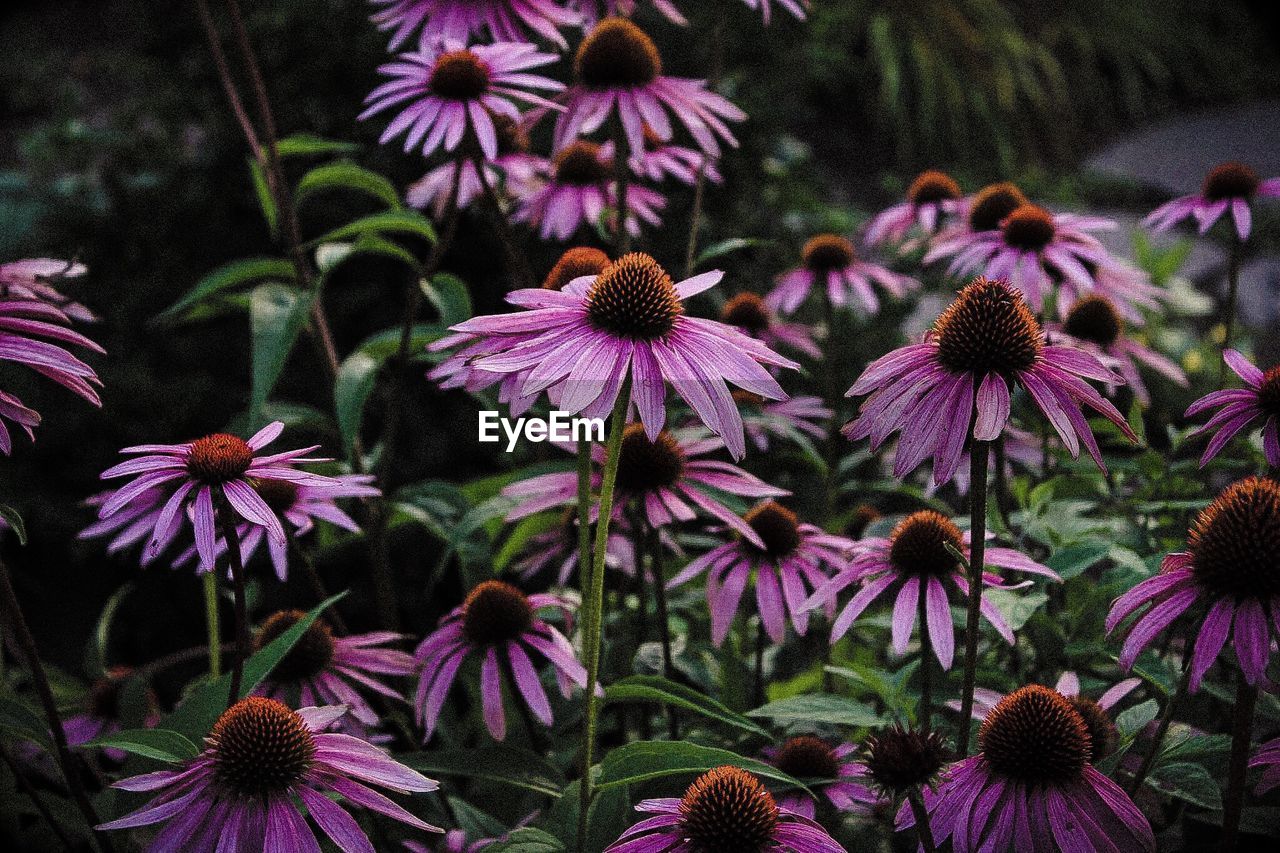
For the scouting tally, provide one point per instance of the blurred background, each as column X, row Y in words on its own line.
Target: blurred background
column 117, row 148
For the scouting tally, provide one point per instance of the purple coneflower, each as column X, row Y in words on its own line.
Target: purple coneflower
column 1268, row 758
column 517, row 168
column 496, row 616
column 238, row 793
column 324, row 669
column 830, row 261
column 1228, row 567
column 1032, row 787
column 665, row 477
column 983, row 211
column 591, row 11
column 933, row 198
column 618, row 71
column 195, row 470
column 579, row 189
column 627, row 326
column 456, row 21
column 748, row 312
column 1093, row 324
column 38, row 279
column 916, row 553
column 984, row 340
column 660, row 158
column 901, row 760
column 1229, row 186
column 1260, row 398
column 789, row 559
column 791, row 419
column 724, row 809
column 839, row 773
column 452, row 89
column 557, row 548
column 101, row 714
column 1033, row 250
column 132, row 524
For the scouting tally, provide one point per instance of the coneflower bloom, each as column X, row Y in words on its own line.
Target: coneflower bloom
column 899, row 759
column 795, row 7
column 132, row 524
column 1268, row 758
column 618, row 71
column 514, row 169
column 916, row 552
column 628, row 323
column 1260, row 398
column 791, row 419
column 839, row 774
column 984, row 340
column 830, row 261
column 1228, row 187
column 578, row 188
column 451, row 89
column 1033, row 250
column 557, row 548
column 659, row 159
column 790, row 559
column 983, row 211
column 324, row 669
column 932, row 199
column 456, row 21
column 238, row 793
column 194, row 470
column 1093, row 324
column 1228, row 568
column 748, row 312
column 500, row 624
column 590, row 10
column 724, row 809
column 39, row 278
column 101, row 714
column 665, row 477
column 1032, row 787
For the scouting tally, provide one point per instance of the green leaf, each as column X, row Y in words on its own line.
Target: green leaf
column 655, row 688
column 308, row 144
column 1189, row 782
column 818, row 708
column 1074, row 560
column 329, row 256
column 96, row 653
column 10, row 516
column 641, row 761
column 277, row 315
column 160, row 744
column 267, row 204
column 725, row 247
column 508, row 765
column 357, row 376
column 232, row 275
column 527, row 839
column 21, row 719
column 197, row 714
column 449, row 295
column 387, row 222
column 1132, row 720
column 348, row 176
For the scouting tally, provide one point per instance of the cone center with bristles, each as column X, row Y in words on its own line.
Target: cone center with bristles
column 634, row 298
column 280, row 495
column 807, row 757
column 827, row 252
column 1269, row 392
column 309, row 656
column 932, row 186
column 746, row 311
column 218, row 458
column 988, row 328
column 1230, row 181
column 495, row 613
column 580, row 165
column 646, row 466
column 1093, row 318
column 1035, row 735
column 777, row 527
column 728, row 810
column 617, row 54
column 899, row 759
column 918, row 544
column 992, row 204
column 1030, row 228
column 1103, row 733
column 459, row 75
column 260, row 747
column 1235, row 542
column 575, row 263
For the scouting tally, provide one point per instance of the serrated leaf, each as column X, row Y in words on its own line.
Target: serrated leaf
column 1076, row 559
column 277, row 315
column 508, row 765
column 642, row 761
column 1188, row 782
column 348, row 176
column 12, row 519
column 231, row 276
column 1130, row 721
column 160, row 744
column 818, row 708
column 655, row 688
column 527, row 839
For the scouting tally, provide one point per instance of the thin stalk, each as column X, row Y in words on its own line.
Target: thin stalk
column 923, row 831
column 831, row 394
column 757, row 696
column 40, row 681
column 700, row 186
column 926, row 652
column 1241, row 737
column 621, row 170
column 584, row 517
column 517, row 263
column 211, row 623
column 318, row 589
column 32, row 794
column 593, row 604
column 229, row 535
column 1162, row 728
column 664, row 620
column 1233, row 287
column 978, row 458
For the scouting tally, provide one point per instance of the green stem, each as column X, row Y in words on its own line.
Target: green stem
column 664, row 619
column 243, row 644
column 593, row 603
column 918, row 811
column 1162, row 728
column 1233, row 287
column 621, row 171
column 1241, row 737
column 211, row 622
column 978, row 457
column 584, row 518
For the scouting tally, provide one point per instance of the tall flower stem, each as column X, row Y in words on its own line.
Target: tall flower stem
column 584, row 518
column 210, row 580
column 226, row 521
column 621, row 169
column 1233, row 287
column 517, row 263
column 923, row 830
column 26, row 643
column 1162, row 728
column 926, row 651
column 978, row 458
column 1241, row 737
column 700, row 186
column 593, row 602
column 664, row 619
